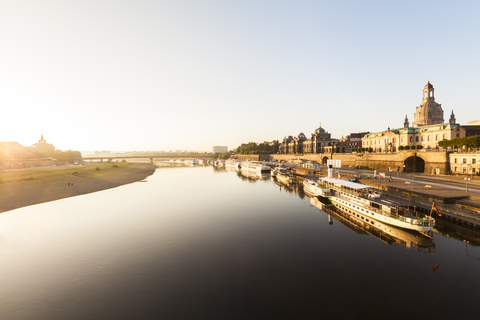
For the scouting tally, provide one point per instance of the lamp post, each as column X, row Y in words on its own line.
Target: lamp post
column 467, row 179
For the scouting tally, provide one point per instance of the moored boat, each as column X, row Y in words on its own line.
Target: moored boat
column 285, row 177
column 254, row 167
column 233, row 164
column 354, row 197
column 316, row 189
column 383, row 232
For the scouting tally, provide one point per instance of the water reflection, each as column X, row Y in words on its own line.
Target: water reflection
column 386, row 233
column 252, row 176
column 190, row 244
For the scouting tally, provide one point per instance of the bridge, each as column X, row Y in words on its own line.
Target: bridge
column 151, row 158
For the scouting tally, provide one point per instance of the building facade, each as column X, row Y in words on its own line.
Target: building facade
column 428, row 128
column 465, row 163
column 353, row 140
column 318, row 142
column 220, row 149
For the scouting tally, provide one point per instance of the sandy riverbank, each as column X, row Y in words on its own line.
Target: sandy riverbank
column 21, row 188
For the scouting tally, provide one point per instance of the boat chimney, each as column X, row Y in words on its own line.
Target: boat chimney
column 330, row 220
column 330, row 171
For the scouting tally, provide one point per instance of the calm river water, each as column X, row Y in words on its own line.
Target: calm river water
column 202, row 243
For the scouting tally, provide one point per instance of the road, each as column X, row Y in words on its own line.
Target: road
column 453, row 182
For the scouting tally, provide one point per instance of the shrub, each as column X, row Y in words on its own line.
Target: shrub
column 400, row 148
column 419, row 146
column 114, row 166
column 97, row 169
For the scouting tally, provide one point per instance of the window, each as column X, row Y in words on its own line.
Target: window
column 416, row 139
column 444, row 136
column 403, row 139
column 455, row 160
column 473, row 170
column 423, row 138
column 456, row 169
column 411, row 139
column 394, row 140
column 474, row 161
column 428, row 138
column 437, row 137
column 464, row 160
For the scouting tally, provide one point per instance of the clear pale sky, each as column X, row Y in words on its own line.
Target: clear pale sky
column 168, row 75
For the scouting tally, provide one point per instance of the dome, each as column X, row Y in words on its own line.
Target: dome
column 301, row 136
column 320, row 130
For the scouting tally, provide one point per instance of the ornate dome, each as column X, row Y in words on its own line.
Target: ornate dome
column 429, row 112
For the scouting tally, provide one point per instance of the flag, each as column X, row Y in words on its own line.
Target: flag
column 438, row 212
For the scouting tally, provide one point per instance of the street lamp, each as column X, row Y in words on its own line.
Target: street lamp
column 467, row 179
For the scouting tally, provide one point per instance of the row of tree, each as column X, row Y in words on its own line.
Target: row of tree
column 251, row 148
column 461, row 142
column 260, row 148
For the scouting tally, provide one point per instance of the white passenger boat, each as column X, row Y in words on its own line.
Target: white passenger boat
column 277, row 170
column 316, row 189
column 384, row 232
column 285, row 177
column 232, row 164
column 354, row 197
column 255, row 167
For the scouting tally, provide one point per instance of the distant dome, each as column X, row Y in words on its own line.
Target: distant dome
column 320, row 130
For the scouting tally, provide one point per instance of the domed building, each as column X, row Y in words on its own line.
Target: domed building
column 301, row 145
column 429, row 112
column 429, row 127
column 42, row 147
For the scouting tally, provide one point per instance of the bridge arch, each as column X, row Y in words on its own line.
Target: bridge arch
column 414, row 164
column 324, row 160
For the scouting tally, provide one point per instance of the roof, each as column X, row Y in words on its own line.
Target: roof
column 347, row 184
column 430, row 127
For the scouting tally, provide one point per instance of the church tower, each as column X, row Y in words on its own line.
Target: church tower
column 429, row 112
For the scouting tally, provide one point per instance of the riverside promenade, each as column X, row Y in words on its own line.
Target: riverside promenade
column 455, row 205
column 448, row 192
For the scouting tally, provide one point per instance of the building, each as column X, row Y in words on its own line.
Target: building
column 465, row 163
column 42, row 147
column 13, row 151
column 353, row 140
column 220, row 149
column 318, row 142
column 429, row 127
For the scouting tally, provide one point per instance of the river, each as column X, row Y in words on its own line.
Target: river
column 203, row 243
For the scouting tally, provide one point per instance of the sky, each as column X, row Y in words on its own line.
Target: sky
column 192, row 74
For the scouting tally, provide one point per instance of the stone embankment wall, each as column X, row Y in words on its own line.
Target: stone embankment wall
column 251, row 157
column 435, row 162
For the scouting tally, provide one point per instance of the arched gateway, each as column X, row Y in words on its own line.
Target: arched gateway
column 414, row 164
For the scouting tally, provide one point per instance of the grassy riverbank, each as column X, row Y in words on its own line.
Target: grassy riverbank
column 24, row 187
